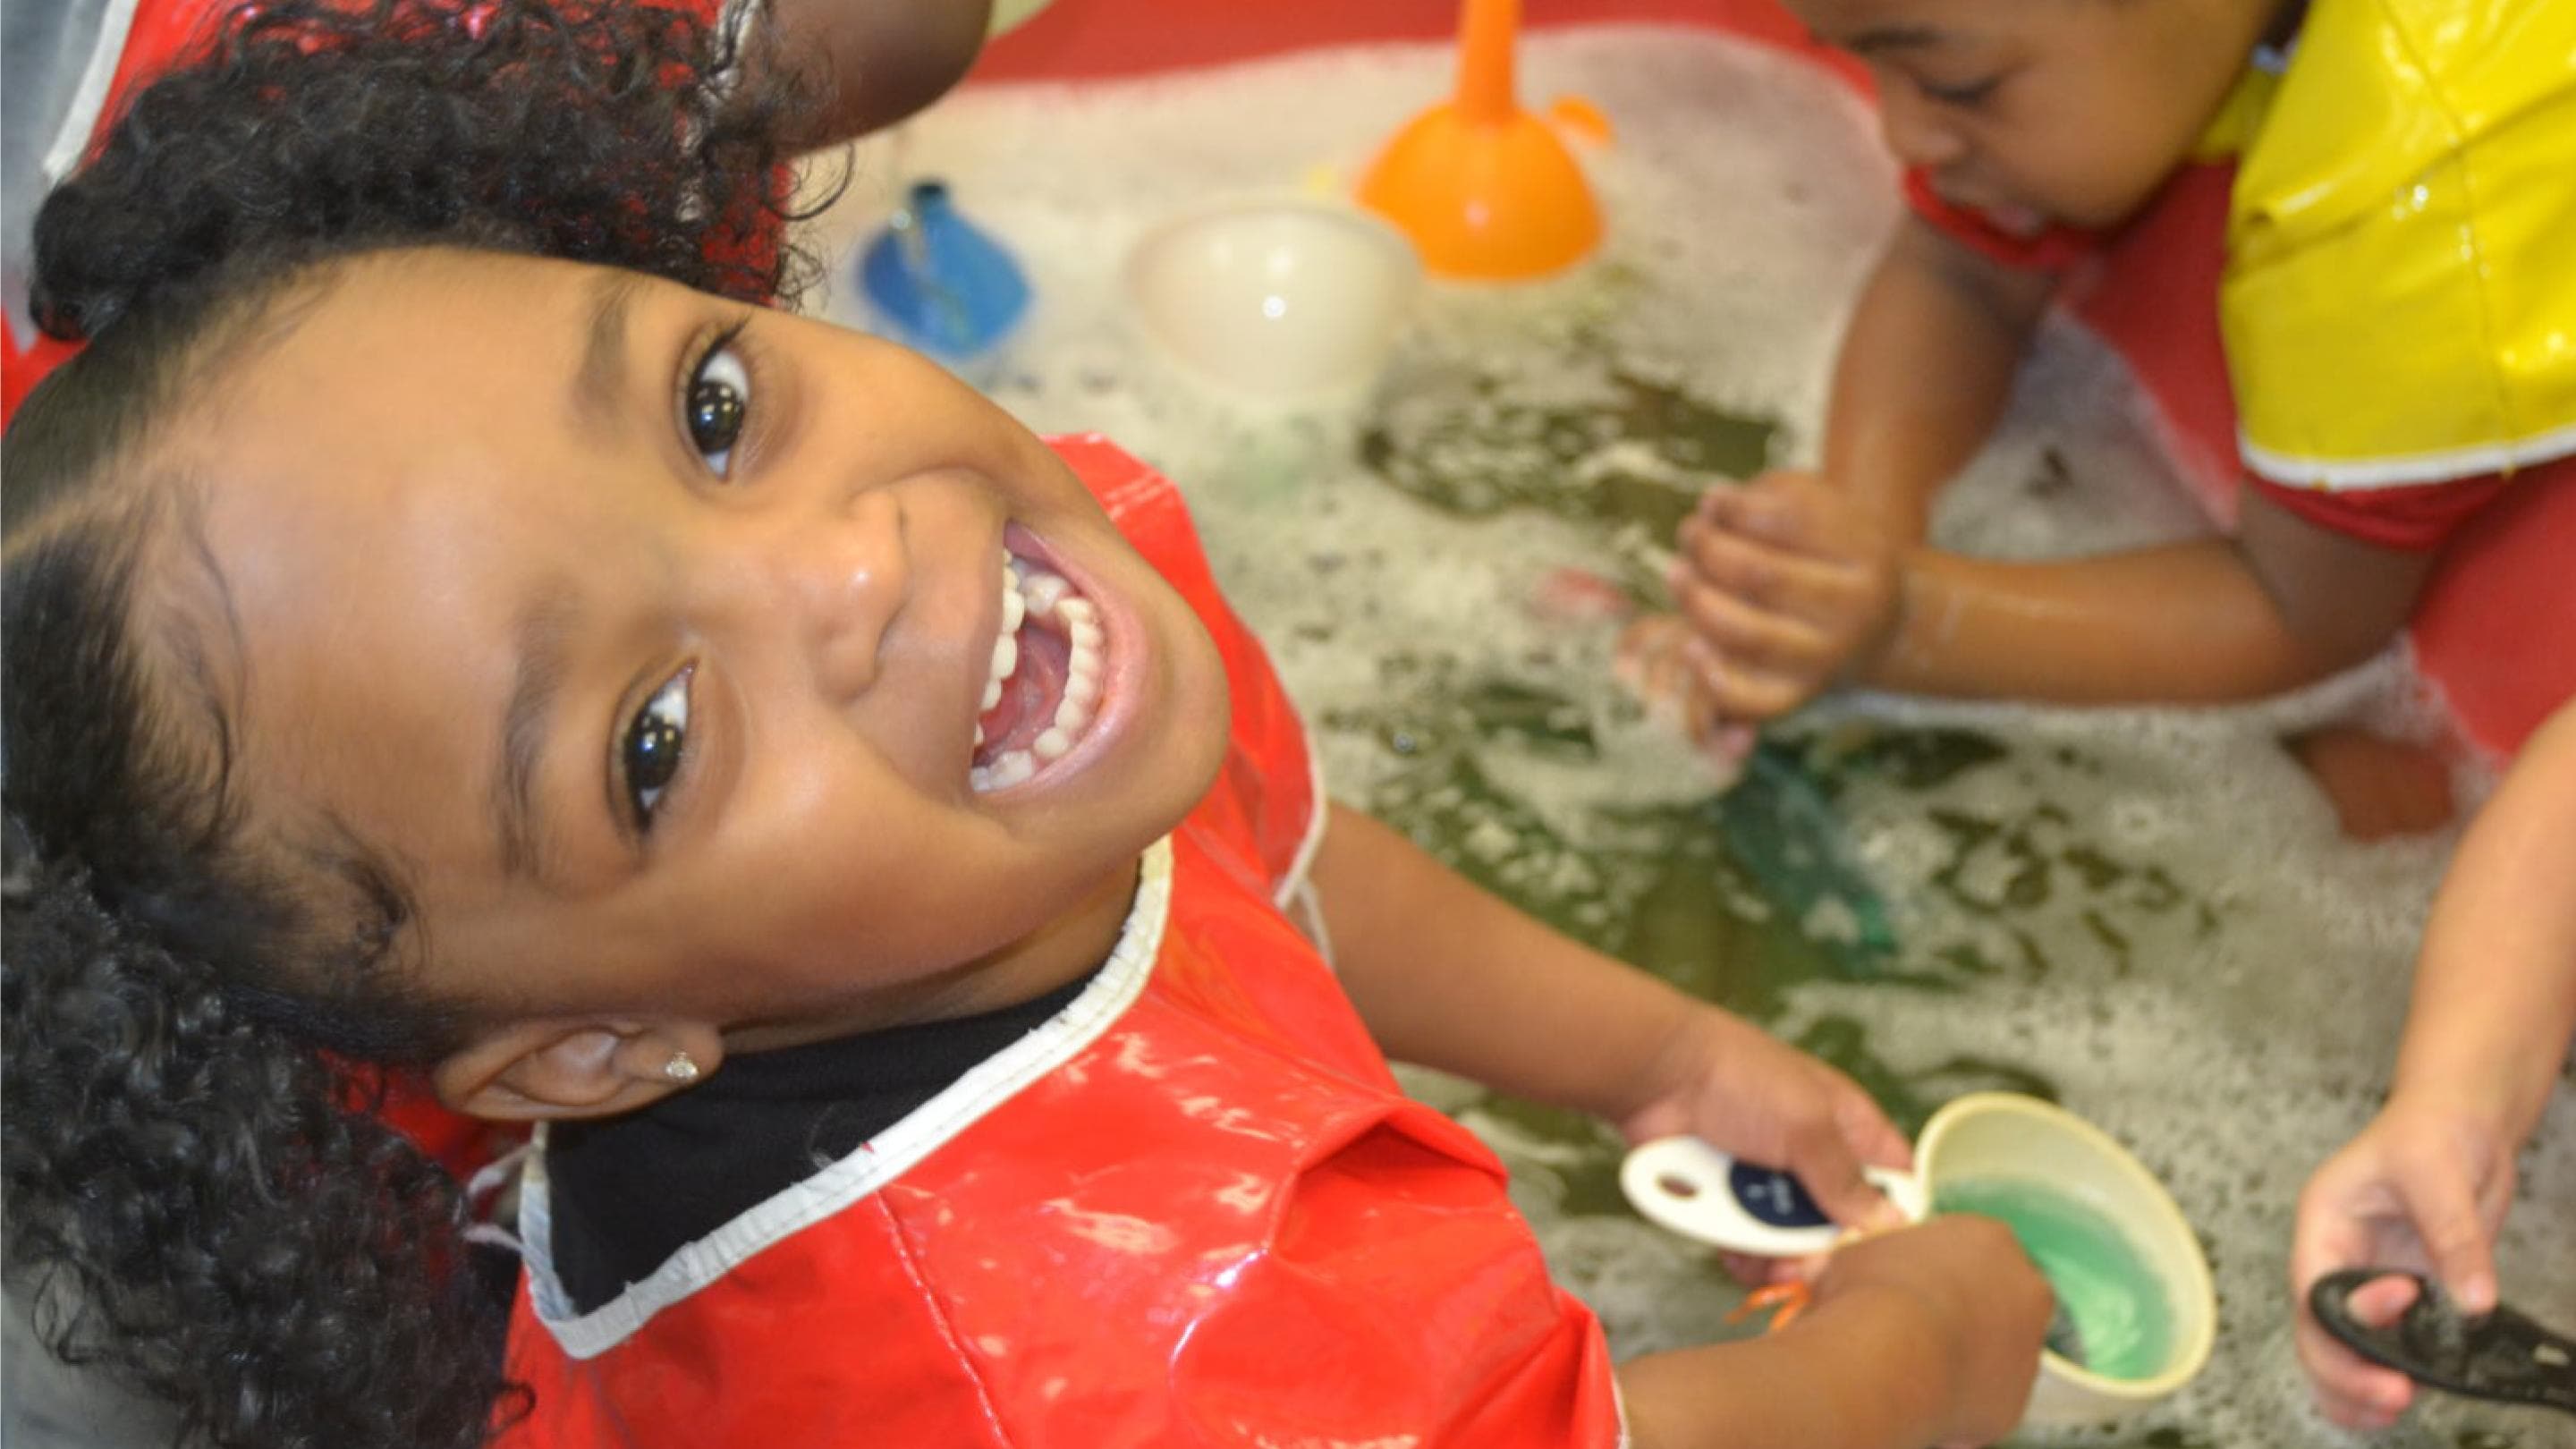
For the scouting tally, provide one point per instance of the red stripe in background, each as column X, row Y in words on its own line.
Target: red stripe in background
column 1073, row 39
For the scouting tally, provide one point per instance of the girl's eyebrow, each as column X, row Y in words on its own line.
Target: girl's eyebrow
column 1878, row 40
column 537, row 676
column 596, row 384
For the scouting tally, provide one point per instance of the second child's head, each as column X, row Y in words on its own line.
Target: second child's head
column 452, row 622
column 2036, row 112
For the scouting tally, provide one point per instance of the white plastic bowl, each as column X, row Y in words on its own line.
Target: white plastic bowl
column 2001, row 1135
column 1282, row 300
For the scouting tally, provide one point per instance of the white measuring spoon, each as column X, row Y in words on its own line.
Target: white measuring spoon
column 1700, row 1192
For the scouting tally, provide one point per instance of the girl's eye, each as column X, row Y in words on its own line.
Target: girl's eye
column 717, row 402
column 649, row 756
column 1963, row 97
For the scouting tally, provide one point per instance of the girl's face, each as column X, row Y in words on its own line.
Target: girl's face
column 649, row 635
column 2041, row 111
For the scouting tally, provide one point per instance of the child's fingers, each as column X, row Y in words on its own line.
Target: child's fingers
column 1657, row 662
column 1763, row 575
column 1750, row 636
column 2379, row 1302
column 1849, row 1198
column 2351, row 1390
column 1821, row 1159
column 1725, row 745
column 1750, row 666
column 2332, row 1233
column 1697, row 712
column 1708, row 723
column 2455, row 1238
column 1798, row 515
column 1730, row 691
column 1754, row 1270
column 1649, row 657
column 1871, row 1133
column 1685, row 688
column 1654, row 662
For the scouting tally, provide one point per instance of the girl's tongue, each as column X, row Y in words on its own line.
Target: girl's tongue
column 1046, row 677
column 1029, row 697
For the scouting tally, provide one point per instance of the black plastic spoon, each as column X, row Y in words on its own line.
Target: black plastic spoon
column 2500, row 1355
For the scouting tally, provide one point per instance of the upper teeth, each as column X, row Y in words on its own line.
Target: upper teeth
column 1032, row 592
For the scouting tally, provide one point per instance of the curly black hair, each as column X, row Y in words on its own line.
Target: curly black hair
column 197, row 1197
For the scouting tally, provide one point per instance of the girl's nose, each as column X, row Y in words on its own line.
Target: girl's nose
column 840, row 580
column 1917, row 133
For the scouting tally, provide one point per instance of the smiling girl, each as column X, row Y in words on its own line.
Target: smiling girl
column 449, row 628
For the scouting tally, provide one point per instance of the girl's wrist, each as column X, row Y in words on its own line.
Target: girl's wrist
column 2484, row 1101
column 1916, row 630
column 1670, row 1073
column 1904, row 1336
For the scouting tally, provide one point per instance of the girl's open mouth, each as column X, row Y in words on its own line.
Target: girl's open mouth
column 1044, row 689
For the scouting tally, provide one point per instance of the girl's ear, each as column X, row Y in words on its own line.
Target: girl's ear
column 532, row 1070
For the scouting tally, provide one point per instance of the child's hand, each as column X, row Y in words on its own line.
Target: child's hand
column 1745, row 1092
column 1979, row 1302
column 1661, row 662
column 1787, row 583
column 2424, row 1187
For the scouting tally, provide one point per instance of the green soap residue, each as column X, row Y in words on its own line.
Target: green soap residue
column 2119, row 1310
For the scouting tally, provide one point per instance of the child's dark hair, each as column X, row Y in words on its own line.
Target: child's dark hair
column 196, row 1198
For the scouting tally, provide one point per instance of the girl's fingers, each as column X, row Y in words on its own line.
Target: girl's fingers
column 2350, row 1390
column 1827, row 1166
column 1756, row 1271
column 1726, row 745
column 1767, row 577
column 1734, row 692
column 1871, row 1133
column 1703, row 714
column 2379, row 1302
column 1802, row 517
column 2332, row 1233
column 2455, row 1239
column 1751, row 637
column 1649, row 658
column 1750, row 667
column 1707, row 723
column 1659, row 664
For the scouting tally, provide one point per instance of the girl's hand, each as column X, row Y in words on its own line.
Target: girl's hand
column 1660, row 661
column 1745, row 1092
column 1787, row 584
column 1979, row 1302
column 2424, row 1187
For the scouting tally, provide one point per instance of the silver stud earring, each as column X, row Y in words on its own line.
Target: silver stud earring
column 681, row 1068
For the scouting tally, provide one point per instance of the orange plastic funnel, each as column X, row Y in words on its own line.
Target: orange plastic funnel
column 1484, row 188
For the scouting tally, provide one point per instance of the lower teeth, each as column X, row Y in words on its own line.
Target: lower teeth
column 1008, row 769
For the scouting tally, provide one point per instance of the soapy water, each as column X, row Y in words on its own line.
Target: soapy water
column 2144, row 914
column 2117, row 1317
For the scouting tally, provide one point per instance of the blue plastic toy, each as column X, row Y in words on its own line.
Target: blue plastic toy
column 935, row 282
